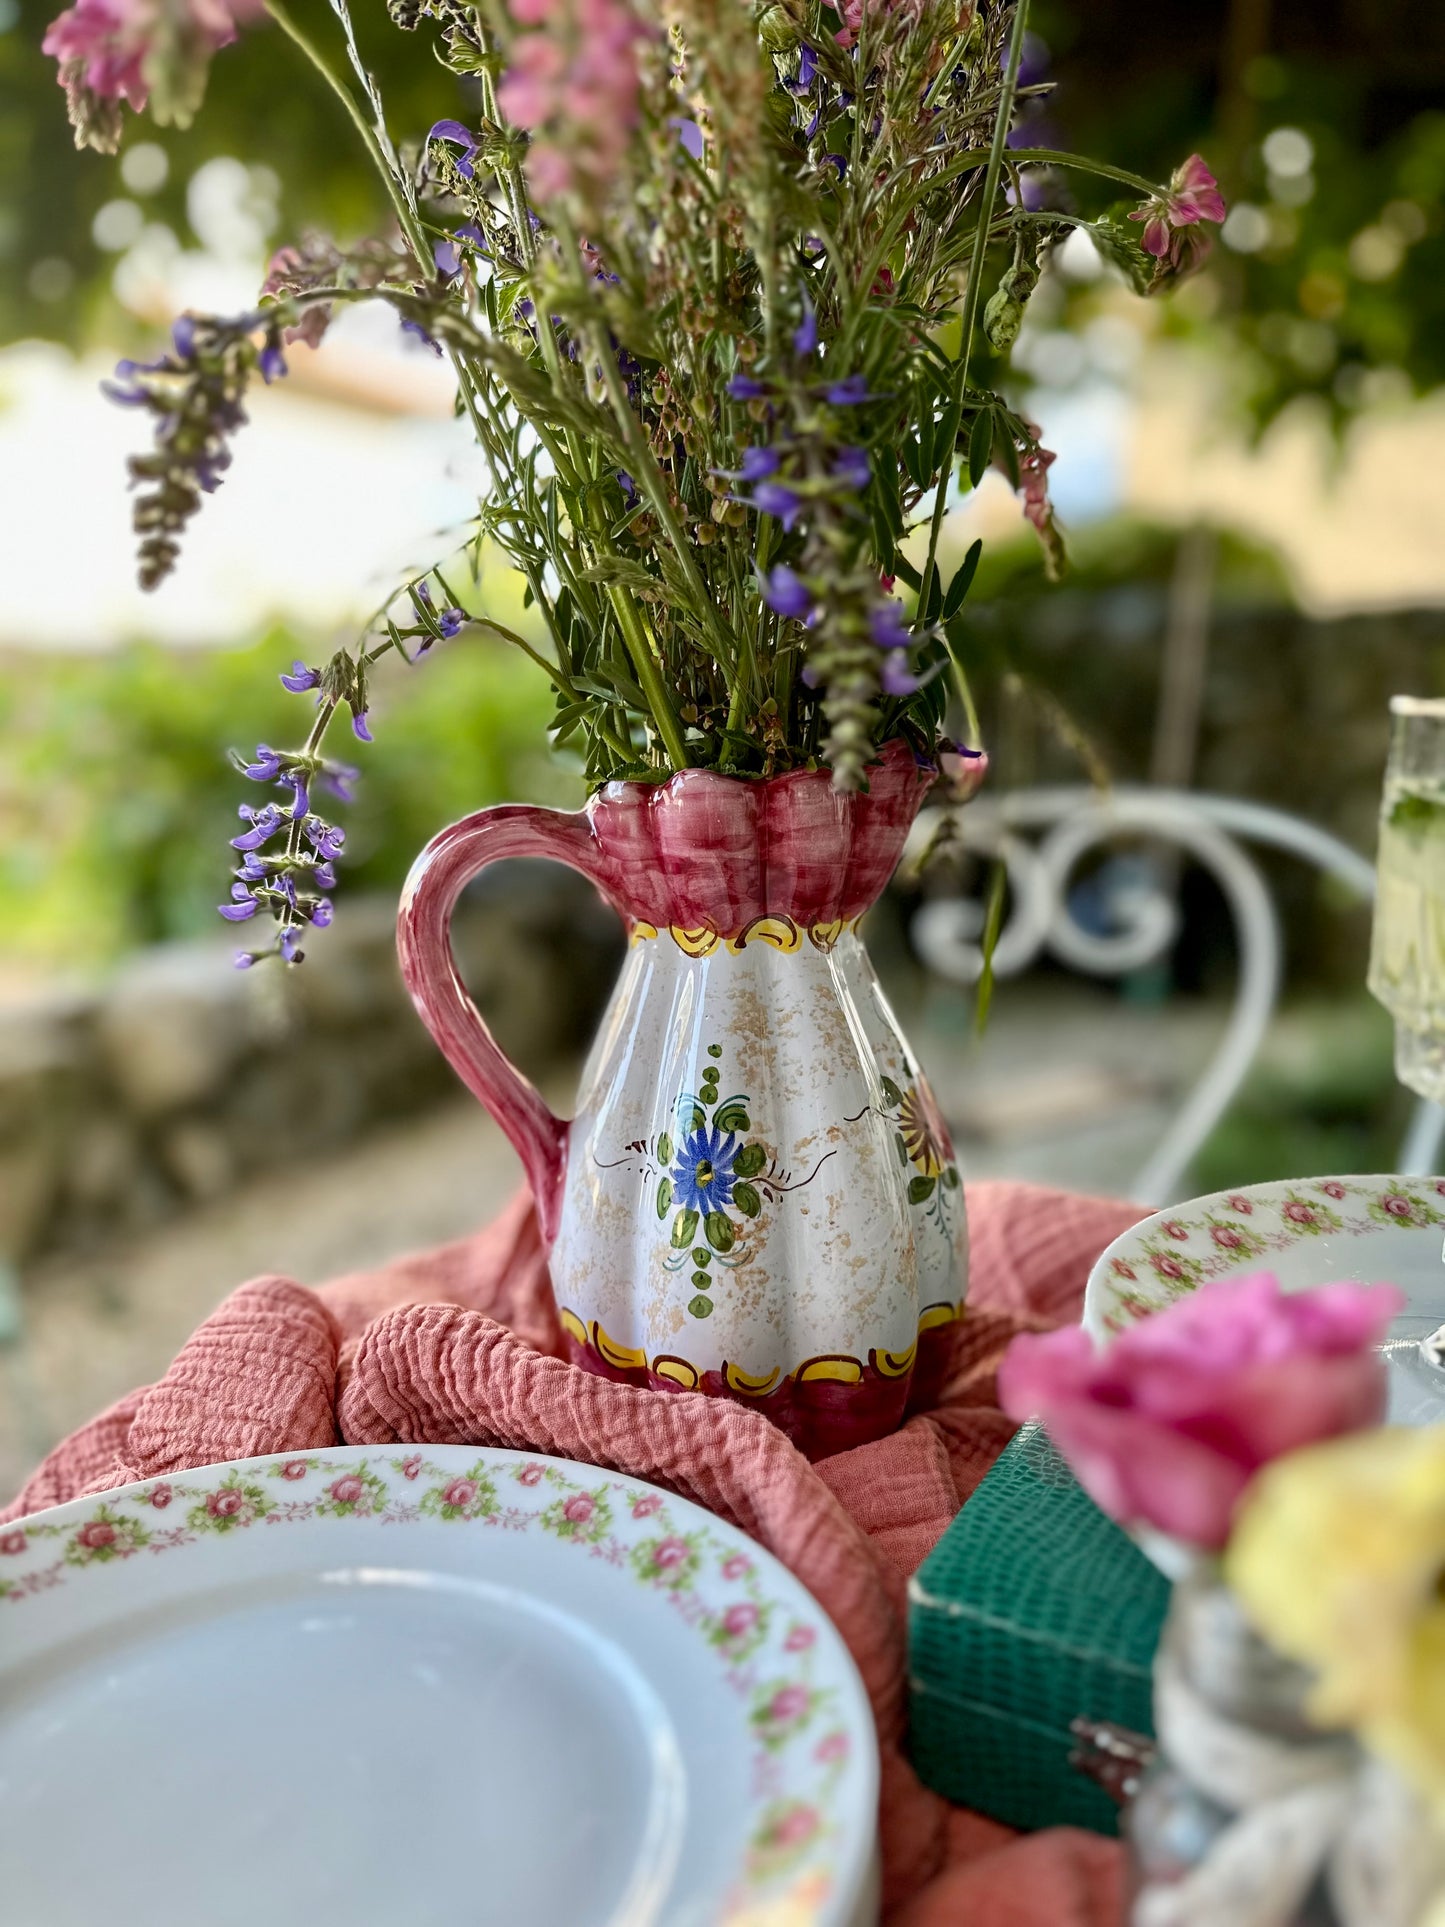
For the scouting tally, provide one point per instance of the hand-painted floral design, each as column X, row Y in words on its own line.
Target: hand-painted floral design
column 702, row 1173
column 720, row 1591
column 670, row 1562
column 108, row 1534
column 585, row 1517
column 472, row 1495
column 713, row 1181
column 1231, row 1231
column 780, row 1710
column 235, row 1502
column 360, row 1492
column 924, row 1145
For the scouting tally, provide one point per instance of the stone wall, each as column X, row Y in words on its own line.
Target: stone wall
column 127, row 1100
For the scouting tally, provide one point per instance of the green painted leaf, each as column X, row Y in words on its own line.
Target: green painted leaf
column 701, row 1280
column 684, row 1229
column 951, row 1177
column 749, row 1161
column 664, row 1197
column 747, row 1200
column 732, row 1115
column 664, row 1149
column 700, row 1307
column 980, row 445
column 902, row 1149
column 719, row 1231
column 714, row 1050
column 701, row 1255
column 891, row 1091
column 920, row 1189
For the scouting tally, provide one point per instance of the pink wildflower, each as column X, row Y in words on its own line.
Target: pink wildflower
column 140, row 52
column 573, row 84
column 1172, row 234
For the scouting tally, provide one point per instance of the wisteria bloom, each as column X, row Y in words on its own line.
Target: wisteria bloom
column 574, row 85
column 1192, row 196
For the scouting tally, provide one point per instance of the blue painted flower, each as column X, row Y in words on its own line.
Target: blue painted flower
column 702, row 1177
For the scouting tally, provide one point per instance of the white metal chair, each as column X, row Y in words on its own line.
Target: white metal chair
column 1040, row 835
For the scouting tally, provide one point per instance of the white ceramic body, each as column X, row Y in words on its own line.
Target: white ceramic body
column 785, row 1056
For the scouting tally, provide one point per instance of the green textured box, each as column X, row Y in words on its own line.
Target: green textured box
column 1033, row 1610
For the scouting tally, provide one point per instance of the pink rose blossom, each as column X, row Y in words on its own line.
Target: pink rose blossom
column 799, row 1639
column 531, row 1475
column 96, row 1536
column 740, row 1619
column 644, row 1507
column 788, row 1703
column 1165, row 1266
column 735, row 1566
column 460, row 1492
column 795, row 1826
column 411, row 1467
column 1225, row 1237
column 1172, row 1228
column 832, row 1746
column 226, row 1503
column 294, row 1469
column 1333, row 1189
column 1299, row 1213
column 1397, row 1206
column 670, row 1553
column 1170, row 1423
column 161, row 1496
column 579, row 1509
column 1244, row 1206
column 13, row 1542
column 347, row 1489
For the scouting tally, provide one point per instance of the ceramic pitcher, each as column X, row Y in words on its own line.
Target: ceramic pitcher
column 757, row 1197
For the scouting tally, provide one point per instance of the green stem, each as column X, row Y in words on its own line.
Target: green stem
column 971, row 293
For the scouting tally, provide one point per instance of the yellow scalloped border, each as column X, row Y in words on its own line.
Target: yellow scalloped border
column 780, row 932
column 832, row 1367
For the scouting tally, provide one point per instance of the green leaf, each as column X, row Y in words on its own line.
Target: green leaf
column 701, row 1255
column 920, row 1189
column 720, row 1233
column 951, row 1177
column 700, row 1307
column 980, row 445
column 684, row 1229
column 731, row 1115
column 714, row 1050
column 747, row 1200
column 1419, row 813
column 664, row 1197
column 1008, row 448
column 891, row 1091
column 701, row 1280
column 664, row 1149
column 962, row 581
column 749, row 1161
column 992, row 925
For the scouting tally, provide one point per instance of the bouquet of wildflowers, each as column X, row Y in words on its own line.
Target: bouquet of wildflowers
column 720, row 281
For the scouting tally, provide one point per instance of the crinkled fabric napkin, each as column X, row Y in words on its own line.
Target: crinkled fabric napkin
column 461, row 1345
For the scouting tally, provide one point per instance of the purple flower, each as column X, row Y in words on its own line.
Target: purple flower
column 627, row 485
column 469, row 231
column 290, row 938
column 838, row 161
column 776, row 498
column 887, row 626
column 321, row 913
column 805, row 335
column 267, row 767
column 254, row 870
column 785, row 592
column 324, row 877
column 124, row 389
column 183, row 336
column 297, row 781
column 301, row 679
column 689, row 136
column 746, row 388
column 410, row 327
column 896, row 678
column 324, row 838
column 853, row 469
column 241, row 906
column 450, row 622
column 271, row 362
column 340, row 780
column 245, row 959
column 448, row 257
column 808, row 132
column 455, row 135
column 359, row 726
column 264, row 824
column 807, row 71
column 845, row 393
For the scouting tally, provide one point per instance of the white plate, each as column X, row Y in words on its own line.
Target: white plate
column 424, row 1687
column 1308, row 1231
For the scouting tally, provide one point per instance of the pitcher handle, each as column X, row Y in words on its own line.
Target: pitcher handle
column 428, row 965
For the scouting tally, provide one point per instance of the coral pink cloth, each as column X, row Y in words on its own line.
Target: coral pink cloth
column 461, row 1345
